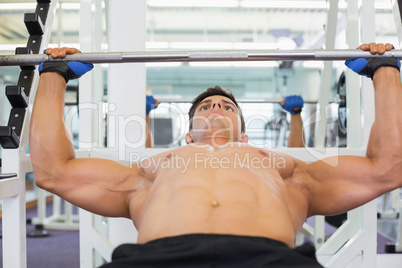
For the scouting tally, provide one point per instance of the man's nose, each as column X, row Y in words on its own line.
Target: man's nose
column 216, row 104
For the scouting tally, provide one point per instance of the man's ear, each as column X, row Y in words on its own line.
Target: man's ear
column 189, row 138
column 244, row 137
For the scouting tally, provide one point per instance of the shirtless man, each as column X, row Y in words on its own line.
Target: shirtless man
column 231, row 205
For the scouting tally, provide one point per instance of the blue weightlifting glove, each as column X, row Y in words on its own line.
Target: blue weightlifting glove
column 69, row 70
column 367, row 67
column 150, row 104
column 293, row 104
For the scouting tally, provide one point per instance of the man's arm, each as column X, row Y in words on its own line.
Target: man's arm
column 149, row 143
column 294, row 104
column 296, row 131
column 100, row 186
column 150, row 104
column 353, row 181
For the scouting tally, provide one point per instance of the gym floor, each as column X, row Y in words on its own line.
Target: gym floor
column 59, row 249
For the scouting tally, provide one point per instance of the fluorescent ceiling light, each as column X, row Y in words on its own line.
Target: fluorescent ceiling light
column 286, row 43
column 313, row 64
column 71, row 6
column 156, row 45
column 163, row 64
column 320, row 64
column 201, row 45
column 283, row 43
column 193, row 3
column 235, row 64
column 284, row 4
column 28, row 6
column 304, row 4
column 18, row 6
column 255, row 64
column 385, row 6
column 104, row 46
column 11, row 47
column 210, row 64
column 246, row 45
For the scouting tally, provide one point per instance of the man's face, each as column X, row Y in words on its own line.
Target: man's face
column 216, row 117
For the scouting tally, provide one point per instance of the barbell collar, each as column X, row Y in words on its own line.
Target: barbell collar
column 188, row 56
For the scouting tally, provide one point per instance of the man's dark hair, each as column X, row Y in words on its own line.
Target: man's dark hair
column 213, row 91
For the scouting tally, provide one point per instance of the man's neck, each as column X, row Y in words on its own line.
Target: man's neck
column 215, row 141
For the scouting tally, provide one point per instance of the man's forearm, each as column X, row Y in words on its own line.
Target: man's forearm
column 49, row 141
column 296, row 133
column 149, row 143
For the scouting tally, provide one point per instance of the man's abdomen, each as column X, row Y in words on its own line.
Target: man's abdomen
column 239, row 202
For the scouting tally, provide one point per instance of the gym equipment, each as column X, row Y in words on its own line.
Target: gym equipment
column 342, row 111
column 7, row 175
column 15, row 163
column 28, row 57
column 187, row 56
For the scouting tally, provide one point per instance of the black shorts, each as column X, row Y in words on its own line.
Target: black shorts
column 212, row 250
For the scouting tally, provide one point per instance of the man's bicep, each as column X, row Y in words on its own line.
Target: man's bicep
column 340, row 168
column 339, row 184
column 97, row 185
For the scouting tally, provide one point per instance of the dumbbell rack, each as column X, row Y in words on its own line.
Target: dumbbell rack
column 14, row 138
column 18, row 95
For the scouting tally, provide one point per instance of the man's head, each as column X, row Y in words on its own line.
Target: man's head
column 213, row 106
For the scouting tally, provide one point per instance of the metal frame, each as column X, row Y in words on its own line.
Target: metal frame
column 397, row 205
column 99, row 235
column 353, row 244
column 13, row 189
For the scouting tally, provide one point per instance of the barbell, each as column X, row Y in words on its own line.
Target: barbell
column 248, row 100
column 187, row 56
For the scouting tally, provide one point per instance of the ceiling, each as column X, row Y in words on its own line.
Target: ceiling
column 287, row 23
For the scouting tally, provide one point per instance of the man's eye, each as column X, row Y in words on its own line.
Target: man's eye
column 228, row 108
column 204, row 108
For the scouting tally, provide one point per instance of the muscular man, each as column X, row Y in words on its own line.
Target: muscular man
column 217, row 201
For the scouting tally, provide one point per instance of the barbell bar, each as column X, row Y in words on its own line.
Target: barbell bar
column 187, row 56
column 239, row 100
